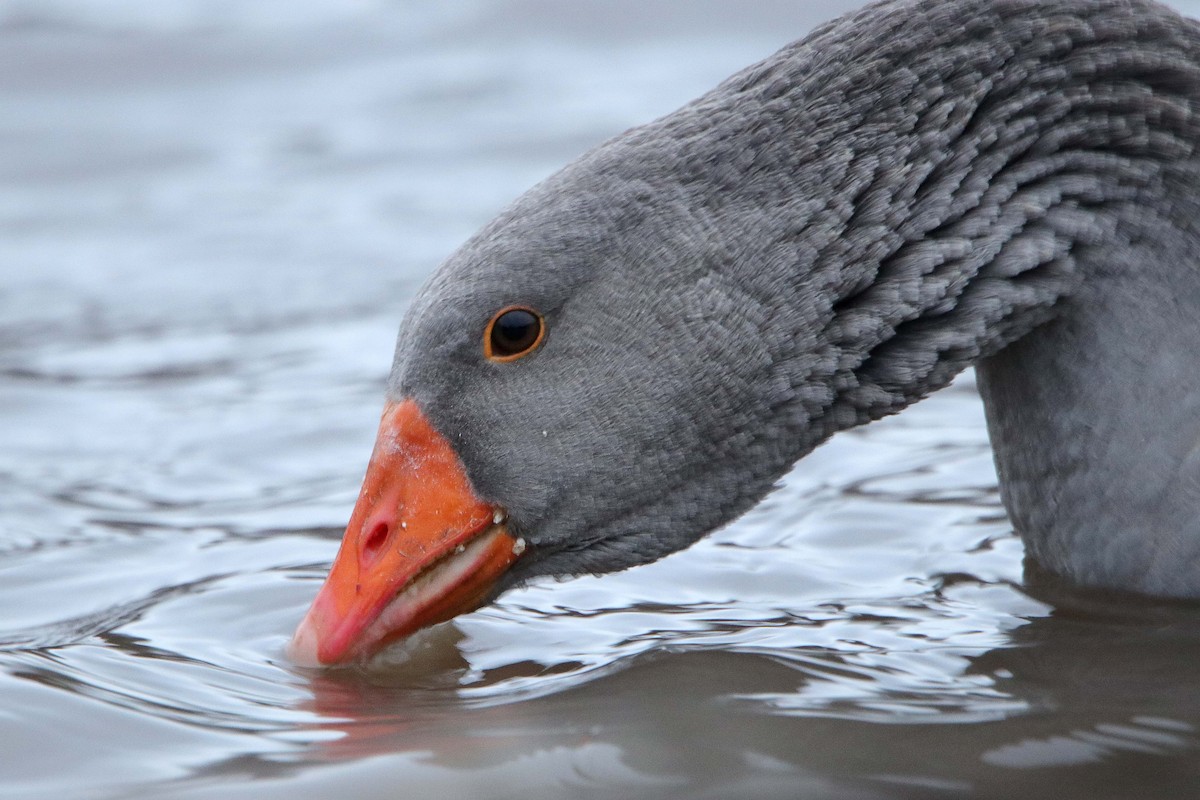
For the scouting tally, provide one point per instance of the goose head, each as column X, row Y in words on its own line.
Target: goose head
column 632, row 353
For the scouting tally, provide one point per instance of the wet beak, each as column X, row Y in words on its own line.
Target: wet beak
column 420, row 548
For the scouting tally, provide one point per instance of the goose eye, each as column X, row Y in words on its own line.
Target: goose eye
column 512, row 333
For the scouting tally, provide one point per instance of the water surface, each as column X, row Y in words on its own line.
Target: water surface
column 212, row 215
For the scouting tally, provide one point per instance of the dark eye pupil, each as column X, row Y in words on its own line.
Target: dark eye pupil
column 514, row 332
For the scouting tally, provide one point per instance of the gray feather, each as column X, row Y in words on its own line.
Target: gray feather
column 827, row 237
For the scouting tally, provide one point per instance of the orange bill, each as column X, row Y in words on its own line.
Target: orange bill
column 420, row 548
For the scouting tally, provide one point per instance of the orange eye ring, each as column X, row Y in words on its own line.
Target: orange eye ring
column 513, row 332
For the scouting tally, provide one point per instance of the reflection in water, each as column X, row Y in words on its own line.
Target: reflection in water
column 212, row 215
column 1073, row 699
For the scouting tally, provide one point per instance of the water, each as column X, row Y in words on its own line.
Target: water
column 211, row 217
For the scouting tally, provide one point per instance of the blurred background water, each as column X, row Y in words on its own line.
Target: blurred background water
column 212, row 215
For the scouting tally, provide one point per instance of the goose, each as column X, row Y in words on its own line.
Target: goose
column 638, row 348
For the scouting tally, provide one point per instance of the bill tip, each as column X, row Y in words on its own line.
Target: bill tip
column 302, row 649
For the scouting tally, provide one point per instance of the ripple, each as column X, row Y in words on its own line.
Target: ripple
column 81, row 628
column 194, row 335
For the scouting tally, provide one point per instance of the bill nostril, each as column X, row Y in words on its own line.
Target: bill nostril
column 374, row 543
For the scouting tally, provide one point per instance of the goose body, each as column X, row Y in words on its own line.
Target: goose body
column 825, row 238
